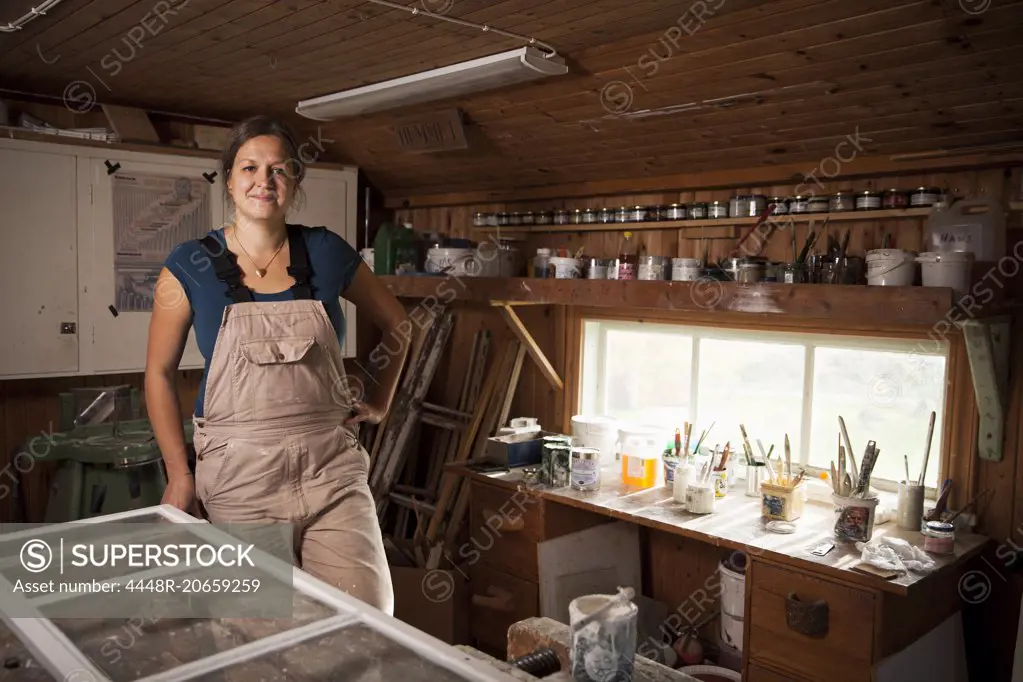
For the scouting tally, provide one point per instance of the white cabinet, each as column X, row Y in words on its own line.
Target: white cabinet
column 85, row 230
column 40, row 330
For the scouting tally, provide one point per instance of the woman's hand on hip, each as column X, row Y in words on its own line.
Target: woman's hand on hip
column 365, row 412
column 180, row 493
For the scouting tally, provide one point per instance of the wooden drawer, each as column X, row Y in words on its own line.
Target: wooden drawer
column 842, row 654
column 504, row 529
column 499, row 599
column 756, row 673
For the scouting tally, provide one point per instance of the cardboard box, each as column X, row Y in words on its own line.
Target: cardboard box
column 434, row 601
column 517, row 449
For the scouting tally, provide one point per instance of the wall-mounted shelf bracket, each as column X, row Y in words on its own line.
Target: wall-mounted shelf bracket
column 987, row 344
column 527, row 340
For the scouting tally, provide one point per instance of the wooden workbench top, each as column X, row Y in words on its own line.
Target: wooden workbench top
column 737, row 524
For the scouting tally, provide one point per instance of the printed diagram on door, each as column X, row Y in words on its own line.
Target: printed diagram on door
column 152, row 214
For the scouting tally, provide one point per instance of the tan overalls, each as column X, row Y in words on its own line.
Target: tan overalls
column 272, row 447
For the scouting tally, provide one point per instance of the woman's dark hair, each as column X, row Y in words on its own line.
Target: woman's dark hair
column 256, row 126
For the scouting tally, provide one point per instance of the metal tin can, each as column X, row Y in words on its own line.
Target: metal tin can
column 622, row 215
column 698, row 211
column 481, row 219
column 502, row 219
column 868, row 201
column 674, row 212
column 561, row 463
column 515, row 218
column 793, row 273
column 547, row 455
column 606, row 215
column 656, row 213
column 562, row 217
column 652, row 267
column 528, row 218
column 577, row 217
column 638, row 214
column 544, row 218
column 894, row 198
column 781, row 205
column 717, row 209
column 799, row 204
column 821, row 204
column 751, row 272
column 589, row 215
column 585, row 471
column 747, row 206
column 842, row 201
column 924, row 196
column 594, row 268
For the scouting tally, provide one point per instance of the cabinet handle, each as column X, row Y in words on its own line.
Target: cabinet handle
column 496, row 599
column 67, row 327
column 507, row 524
column 806, row 618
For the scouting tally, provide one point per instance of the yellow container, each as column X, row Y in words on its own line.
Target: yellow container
column 640, row 470
column 784, row 504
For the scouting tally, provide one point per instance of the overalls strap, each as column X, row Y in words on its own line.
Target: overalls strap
column 226, row 267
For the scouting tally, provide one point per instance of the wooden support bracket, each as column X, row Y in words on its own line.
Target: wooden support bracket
column 987, row 344
column 548, row 371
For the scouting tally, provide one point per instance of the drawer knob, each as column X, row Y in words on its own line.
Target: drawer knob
column 496, row 599
column 502, row 523
column 806, row 618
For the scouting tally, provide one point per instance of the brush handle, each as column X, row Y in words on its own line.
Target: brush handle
column 927, row 449
column 848, row 450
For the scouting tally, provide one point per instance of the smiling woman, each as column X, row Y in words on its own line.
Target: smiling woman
column 276, row 419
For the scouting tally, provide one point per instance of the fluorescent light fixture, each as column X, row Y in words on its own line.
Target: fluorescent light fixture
column 486, row 73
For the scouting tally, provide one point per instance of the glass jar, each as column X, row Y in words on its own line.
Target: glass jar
column 674, row 212
column 717, row 209
column 515, row 218
column 868, row 200
column 781, row 205
column 821, row 204
column 606, row 215
column 656, row 213
column 842, row 201
column 544, row 218
column 799, row 204
column 622, row 215
column 577, row 217
column 589, row 216
column 638, row 214
column 528, row 218
column 698, row 211
column 894, row 198
column 562, row 217
column 481, row 219
column 502, row 219
column 923, row 197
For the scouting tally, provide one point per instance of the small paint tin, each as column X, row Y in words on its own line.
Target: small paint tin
column 652, row 267
column 577, row 217
column 939, row 537
column 924, row 196
column 842, row 201
column 868, row 201
column 622, row 215
column 585, row 472
column 674, row 212
column 720, row 480
column 685, row 269
column 700, row 498
column 544, row 218
column 698, row 211
column 638, row 214
column 550, row 455
column 606, row 215
column 894, row 198
column 562, row 217
column 799, row 204
column 481, row 219
column 781, row 205
column 717, row 209
column 589, row 216
column 821, row 204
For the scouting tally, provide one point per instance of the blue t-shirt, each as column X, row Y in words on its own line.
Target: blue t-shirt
column 332, row 260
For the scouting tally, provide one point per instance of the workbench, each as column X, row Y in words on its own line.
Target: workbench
column 868, row 619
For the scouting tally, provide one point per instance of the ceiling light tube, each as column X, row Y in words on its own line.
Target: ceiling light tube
column 486, row 73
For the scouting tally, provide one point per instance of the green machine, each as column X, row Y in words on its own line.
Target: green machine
column 108, row 457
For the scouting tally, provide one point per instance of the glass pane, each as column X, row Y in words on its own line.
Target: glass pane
column 883, row 396
column 648, row 376
column 354, row 654
column 754, row 383
column 130, row 649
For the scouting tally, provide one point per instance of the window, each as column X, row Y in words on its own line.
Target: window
column 775, row 384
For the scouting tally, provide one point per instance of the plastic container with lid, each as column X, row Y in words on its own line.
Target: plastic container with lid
column 951, row 269
column 640, row 458
column 976, row 225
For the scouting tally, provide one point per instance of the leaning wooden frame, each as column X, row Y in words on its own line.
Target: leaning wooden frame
column 65, row 661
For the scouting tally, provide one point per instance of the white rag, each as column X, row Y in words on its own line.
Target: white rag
column 894, row 554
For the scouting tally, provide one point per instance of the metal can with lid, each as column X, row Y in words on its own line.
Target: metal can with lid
column 515, row 218
column 594, row 268
column 799, row 204
column 562, row 217
column 781, row 205
column 939, row 537
column 502, row 219
column 652, row 267
column 589, row 215
column 894, row 198
column 606, row 215
column 674, row 212
column 821, row 204
column 717, row 209
column 868, row 200
column 747, row 206
column 622, row 215
column 543, row 218
column 842, row 201
column 528, row 218
column 924, row 196
column 560, row 457
column 577, row 217
column 585, row 471
column 638, row 214
column 547, row 455
column 698, row 211
column 656, row 213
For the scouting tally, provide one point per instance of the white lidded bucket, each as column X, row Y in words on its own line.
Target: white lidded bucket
column 949, row 269
column 596, row 431
column 731, row 631
column 685, row 269
column 564, row 268
column 733, row 591
column 891, row 268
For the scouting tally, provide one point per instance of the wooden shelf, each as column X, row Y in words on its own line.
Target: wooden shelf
column 877, row 306
column 890, row 214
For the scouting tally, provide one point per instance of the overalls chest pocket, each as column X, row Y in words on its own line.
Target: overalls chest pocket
column 285, row 377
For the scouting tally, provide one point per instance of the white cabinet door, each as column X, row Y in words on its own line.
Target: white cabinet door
column 38, row 265
column 142, row 206
column 330, row 201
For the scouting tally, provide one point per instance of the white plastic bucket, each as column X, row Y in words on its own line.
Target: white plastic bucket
column 564, row 268
column 596, row 432
column 950, row 269
column 890, row 268
column 731, row 631
column 976, row 225
column 733, row 591
column 685, row 269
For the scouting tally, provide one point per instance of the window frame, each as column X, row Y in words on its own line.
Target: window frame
column 808, row 338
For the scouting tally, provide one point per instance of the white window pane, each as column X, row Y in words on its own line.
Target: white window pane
column 754, row 383
column 648, row 377
column 883, row 396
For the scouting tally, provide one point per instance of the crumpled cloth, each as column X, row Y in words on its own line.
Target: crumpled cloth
column 894, row 554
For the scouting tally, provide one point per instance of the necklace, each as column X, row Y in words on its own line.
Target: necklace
column 260, row 271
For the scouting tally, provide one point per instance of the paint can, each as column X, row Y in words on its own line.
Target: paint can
column 585, row 473
column 700, row 498
column 604, row 648
column 547, row 456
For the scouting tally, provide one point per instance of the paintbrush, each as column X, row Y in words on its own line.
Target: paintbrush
column 702, row 436
column 848, row 450
column 799, row 478
column 834, row 479
column 724, row 457
column 810, row 238
column 870, row 456
column 939, row 506
column 745, row 442
column 841, row 470
column 678, row 442
column 927, row 449
column 788, row 460
column 906, row 458
column 689, row 432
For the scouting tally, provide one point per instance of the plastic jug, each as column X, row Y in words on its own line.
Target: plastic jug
column 976, row 225
column 395, row 250
column 640, row 457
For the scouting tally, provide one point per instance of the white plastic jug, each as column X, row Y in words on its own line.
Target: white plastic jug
column 976, row 225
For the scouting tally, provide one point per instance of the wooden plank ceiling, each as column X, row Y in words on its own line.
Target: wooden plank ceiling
column 652, row 91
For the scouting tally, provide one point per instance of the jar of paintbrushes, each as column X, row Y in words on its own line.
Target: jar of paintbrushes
column 855, row 505
column 783, row 495
column 910, row 512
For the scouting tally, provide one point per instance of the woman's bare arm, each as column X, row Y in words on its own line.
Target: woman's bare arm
column 168, row 333
column 376, row 302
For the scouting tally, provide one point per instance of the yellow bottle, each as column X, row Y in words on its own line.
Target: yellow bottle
column 640, row 459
